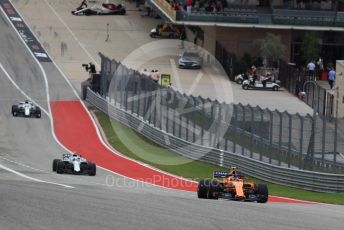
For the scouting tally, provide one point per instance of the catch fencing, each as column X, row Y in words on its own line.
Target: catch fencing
column 288, row 176
column 278, row 139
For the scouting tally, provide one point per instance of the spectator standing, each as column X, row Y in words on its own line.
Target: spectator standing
column 148, row 8
column 311, row 71
column 331, row 78
column 196, row 38
column 188, row 6
column 182, row 38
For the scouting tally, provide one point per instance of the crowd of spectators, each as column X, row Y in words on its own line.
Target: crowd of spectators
column 305, row 4
column 221, row 5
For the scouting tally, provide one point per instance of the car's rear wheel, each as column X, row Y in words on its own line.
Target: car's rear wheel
column 262, row 193
column 55, row 162
column 202, row 189
column 60, row 167
column 213, row 190
column 92, row 169
column 275, row 88
column 245, row 86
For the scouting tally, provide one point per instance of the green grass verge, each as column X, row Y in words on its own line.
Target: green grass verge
column 137, row 147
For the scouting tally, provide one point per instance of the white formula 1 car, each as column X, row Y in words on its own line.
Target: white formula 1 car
column 103, row 9
column 74, row 164
column 26, row 109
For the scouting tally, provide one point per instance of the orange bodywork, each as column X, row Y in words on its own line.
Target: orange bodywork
column 236, row 185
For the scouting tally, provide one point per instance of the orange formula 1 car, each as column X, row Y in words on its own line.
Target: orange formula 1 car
column 231, row 186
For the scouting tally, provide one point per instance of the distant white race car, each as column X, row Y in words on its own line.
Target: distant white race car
column 26, row 109
column 74, row 164
column 103, row 9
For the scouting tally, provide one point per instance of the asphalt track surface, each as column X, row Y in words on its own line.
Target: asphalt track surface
column 32, row 197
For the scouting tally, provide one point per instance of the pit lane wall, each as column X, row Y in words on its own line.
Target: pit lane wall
column 310, row 180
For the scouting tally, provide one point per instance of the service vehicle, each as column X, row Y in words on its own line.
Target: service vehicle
column 165, row 30
column 265, row 83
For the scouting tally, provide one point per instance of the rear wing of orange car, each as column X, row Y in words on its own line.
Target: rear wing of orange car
column 219, row 174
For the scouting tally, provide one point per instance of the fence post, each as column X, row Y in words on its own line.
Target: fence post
column 160, row 108
column 187, row 129
column 335, row 139
column 280, row 138
column 289, row 137
column 243, row 131
column 235, row 108
column 218, row 126
column 167, row 115
column 174, row 122
column 301, row 142
column 180, row 125
column 323, row 142
column 271, row 134
column 138, row 89
column 261, row 136
column 150, row 107
column 194, row 132
column 212, row 120
column 252, row 131
column 202, row 128
column 155, row 101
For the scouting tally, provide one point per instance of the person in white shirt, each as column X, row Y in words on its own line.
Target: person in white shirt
column 311, row 71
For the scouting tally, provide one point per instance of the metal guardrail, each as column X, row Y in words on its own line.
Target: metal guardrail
column 323, row 182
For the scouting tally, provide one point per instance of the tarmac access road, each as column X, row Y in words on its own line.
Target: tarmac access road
column 74, row 40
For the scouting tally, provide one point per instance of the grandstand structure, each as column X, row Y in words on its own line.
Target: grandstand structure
column 233, row 24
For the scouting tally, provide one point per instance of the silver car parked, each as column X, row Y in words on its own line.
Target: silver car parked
column 190, row 60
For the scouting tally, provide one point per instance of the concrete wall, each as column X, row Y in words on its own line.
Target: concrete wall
column 239, row 40
column 340, row 84
column 209, row 38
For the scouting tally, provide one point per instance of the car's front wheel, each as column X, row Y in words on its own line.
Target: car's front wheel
column 14, row 110
column 55, row 162
column 262, row 193
column 92, row 170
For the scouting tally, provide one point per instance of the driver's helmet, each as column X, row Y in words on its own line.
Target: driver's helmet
column 268, row 74
column 75, row 154
column 26, row 101
column 233, row 171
